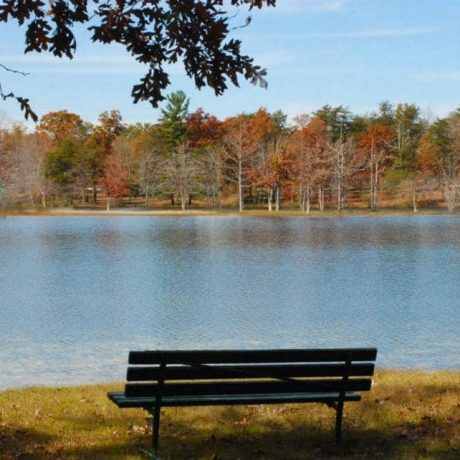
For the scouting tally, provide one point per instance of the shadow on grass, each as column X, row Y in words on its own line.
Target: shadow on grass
column 231, row 433
column 23, row 443
column 34, row 445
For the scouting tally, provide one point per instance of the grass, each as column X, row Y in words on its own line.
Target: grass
column 407, row 415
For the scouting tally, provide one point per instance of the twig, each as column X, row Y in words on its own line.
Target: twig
column 13, row 70
column 3, row 95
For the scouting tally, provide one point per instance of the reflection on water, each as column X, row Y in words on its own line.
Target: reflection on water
column 78, row 293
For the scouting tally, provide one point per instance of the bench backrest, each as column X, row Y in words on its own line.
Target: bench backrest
column 212, row 372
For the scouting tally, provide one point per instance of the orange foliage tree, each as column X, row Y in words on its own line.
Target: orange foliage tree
column 61, row 125
column 308, row 167
column 115, row 178
column 376, row 153
column 243, row 137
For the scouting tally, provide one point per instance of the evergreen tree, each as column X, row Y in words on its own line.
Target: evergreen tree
column 173, row 126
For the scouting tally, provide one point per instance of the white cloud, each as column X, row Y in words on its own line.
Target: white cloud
column 433, row 110
column 84, row 65
column 318, row 70
column 308, row 6
column 274, row 58
column 364, row 33
column 436, row 75
column 295, row 108
column 388, row 33
column 50, row 59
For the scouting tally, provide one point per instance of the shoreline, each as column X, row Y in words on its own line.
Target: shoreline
column 139, row 212
column 68, row 386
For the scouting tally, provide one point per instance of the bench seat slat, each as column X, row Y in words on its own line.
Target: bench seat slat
column 145, row 373
column 121, row 400
column 226, row 387
column 252, row 356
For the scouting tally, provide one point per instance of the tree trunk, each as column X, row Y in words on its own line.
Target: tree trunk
column 240, row 185
column 94, row 193
column 277, row 198
column 43, row 198
column 270, row 199
column 108, row 203
column 374, row 186
column 450, row 198
column 190, row 199
column 301, row 199
column 172, row 199
column 321, row 198
column 376, row 190
column 215, row 199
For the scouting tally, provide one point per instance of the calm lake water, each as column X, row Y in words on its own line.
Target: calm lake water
column 78, row 292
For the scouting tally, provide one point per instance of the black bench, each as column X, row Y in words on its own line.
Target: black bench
column 159, row 379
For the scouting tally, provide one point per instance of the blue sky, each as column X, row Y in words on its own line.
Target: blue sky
column 351, row 52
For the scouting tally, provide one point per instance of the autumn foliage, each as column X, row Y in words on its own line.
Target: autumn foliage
column 329, row 158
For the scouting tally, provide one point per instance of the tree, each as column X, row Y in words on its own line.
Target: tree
column 271, row 170
column 114, row 179
column 59, row 168
column 376, row 155
column 341, row 154
column 204, row 133
column 273, row 173
column 408, row 127
column 338, row 120
column 182, row 169
column 150, row 166
column 155, row 33
column 309, row 160
column 111, row 122
column 150, row 160
column 61, row 125
column 427, row 163
column 98, row 145
column 173, row 127
column 446, row 135
column 22, row 161
column 126, row 149
column 243, row 136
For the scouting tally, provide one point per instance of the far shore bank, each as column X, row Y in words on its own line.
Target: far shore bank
column 407, row 414
column 168, row 212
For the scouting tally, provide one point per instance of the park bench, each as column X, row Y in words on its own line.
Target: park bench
column 157, row 379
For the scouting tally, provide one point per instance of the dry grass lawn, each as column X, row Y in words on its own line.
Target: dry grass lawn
column 407, row 415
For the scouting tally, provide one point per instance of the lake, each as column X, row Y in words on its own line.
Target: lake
column 77, row 293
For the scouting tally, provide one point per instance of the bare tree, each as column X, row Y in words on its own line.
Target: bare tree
column 450, row 164
column 376, row 154
column 236, row 158
column 342, row 162
column 211, row 165
column 22, row 158
column 150, row 167
column 181, row 171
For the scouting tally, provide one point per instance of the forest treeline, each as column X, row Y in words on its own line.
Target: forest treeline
column 329, row 158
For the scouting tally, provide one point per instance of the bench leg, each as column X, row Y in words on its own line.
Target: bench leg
column 155, row 429
column 338, row 422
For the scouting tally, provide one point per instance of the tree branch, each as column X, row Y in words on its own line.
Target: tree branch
column 4, row 67
column 23, row 102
